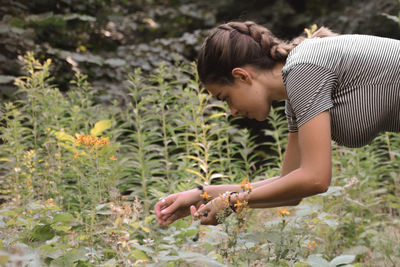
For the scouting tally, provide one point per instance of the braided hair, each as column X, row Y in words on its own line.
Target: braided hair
column 237, row 44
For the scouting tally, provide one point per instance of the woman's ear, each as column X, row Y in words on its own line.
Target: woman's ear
column 242, row 75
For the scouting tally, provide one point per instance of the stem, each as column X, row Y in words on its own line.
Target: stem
column 391, row 156
column 165, row 140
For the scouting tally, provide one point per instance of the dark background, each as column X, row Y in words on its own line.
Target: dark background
column 106, row 39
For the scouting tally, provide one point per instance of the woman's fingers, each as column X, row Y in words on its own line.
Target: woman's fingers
column 159, row 206
column 192, row 210
column 170, row 208
column 162, row 205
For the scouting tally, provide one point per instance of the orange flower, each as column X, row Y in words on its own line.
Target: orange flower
column 311, row 246
column 283, row 212
column 205, row 196
column 243, row 183
column 113, row 158
column 246, row 185
column 240, row 205
column 49, row 202
column 91, row 142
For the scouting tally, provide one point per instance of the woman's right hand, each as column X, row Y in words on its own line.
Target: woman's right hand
column 176, row 206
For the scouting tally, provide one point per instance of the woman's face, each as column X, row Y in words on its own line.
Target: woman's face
column 246, row 99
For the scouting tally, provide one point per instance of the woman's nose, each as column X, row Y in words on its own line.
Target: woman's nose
column 234, row 111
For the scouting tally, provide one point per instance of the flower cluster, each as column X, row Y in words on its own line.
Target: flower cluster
column 311, row 245
column 205, row 196
column 241, row 201
column 283, row 212
column 91, row 142
column 246, row 185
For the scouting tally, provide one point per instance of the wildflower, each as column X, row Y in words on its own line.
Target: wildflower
column 30, row 211
column 239, row 205
column 113, row 158
column 283, row 212
column 205, row 196
column 246, row 185
column 91, row 142
column 49, row 202
column 243, row 183
column 311, row 246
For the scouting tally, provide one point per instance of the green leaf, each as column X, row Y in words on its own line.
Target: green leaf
column 139, row 255
column 100, row 127
column 301, row 264
column 342, row 259
column 62, row 228
column 196, row 173
column 63, row 217
column 74, row 255
column 316, row 260
column 42, row 233
column 62, row 136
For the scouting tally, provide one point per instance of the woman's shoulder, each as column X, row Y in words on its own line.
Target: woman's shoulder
column 328, row 52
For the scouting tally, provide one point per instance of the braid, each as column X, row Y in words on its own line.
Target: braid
column 236, row 44
column 275, row 48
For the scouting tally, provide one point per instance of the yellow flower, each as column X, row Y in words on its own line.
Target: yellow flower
column 283, row 212
column 205, row 196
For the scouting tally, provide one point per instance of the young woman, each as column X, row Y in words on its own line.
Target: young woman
column 340, row 87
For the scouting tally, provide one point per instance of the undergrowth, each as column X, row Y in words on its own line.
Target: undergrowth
column 79, row 181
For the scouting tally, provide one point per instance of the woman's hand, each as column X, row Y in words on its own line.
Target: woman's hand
column 208, row 213
column 177, row 206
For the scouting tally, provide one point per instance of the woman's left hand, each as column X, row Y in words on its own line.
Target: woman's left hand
column 207, row 214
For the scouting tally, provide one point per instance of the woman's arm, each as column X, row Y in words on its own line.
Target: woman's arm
column 314, row 173
column 175, row 202
column 291, row 162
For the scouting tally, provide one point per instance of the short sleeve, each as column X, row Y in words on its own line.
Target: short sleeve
column 291, row 118
column 309, row 88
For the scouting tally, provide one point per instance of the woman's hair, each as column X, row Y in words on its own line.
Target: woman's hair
column 236, row 44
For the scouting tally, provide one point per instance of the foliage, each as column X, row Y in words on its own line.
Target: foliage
column 79, row 181
column 107, row 39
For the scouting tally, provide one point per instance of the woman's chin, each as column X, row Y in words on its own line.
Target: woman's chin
column 261, row 118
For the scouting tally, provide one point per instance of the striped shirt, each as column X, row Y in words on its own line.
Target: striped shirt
column 355, row 77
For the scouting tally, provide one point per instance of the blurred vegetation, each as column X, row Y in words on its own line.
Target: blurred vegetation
column 79, row 180
column 106, row 39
